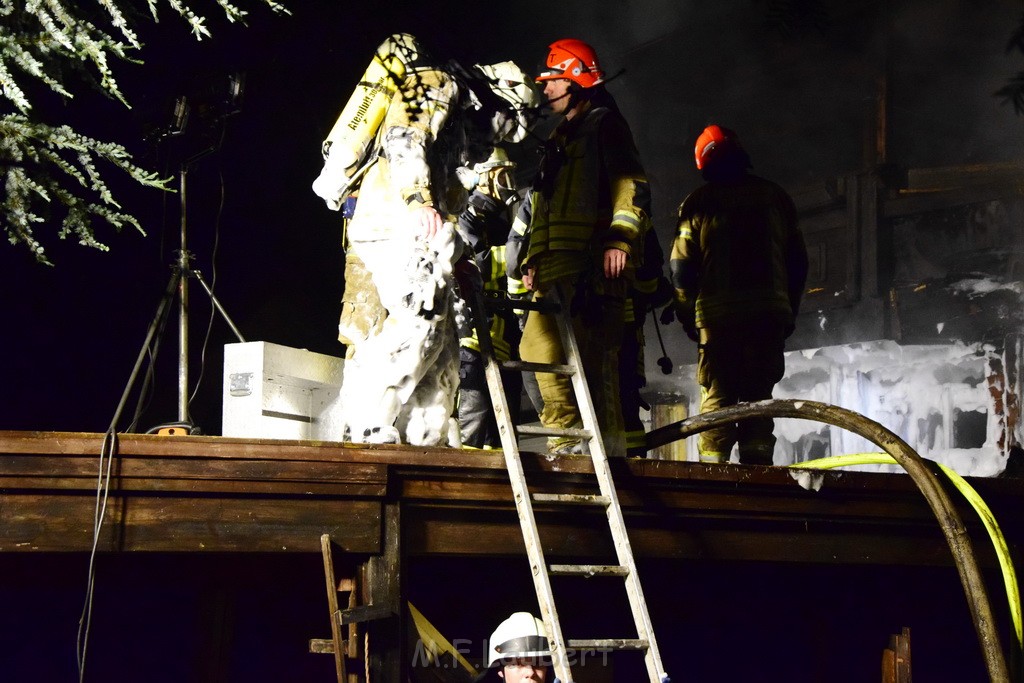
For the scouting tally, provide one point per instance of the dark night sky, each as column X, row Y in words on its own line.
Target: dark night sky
column 72, row 332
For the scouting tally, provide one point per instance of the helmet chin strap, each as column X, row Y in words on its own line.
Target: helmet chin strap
column 575, row 95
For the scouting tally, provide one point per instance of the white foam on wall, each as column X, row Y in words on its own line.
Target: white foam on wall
column 925, row 394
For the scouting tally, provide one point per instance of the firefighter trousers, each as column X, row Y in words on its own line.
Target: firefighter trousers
column 362, row 314
column 477, row 422
column 598, row 327
column 402, row 380
column 631, row 380
column 739, row 365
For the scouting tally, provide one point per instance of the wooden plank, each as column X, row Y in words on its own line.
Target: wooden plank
column 896, row 664
column 888, row 665
column 182, row 501
column 908, row 202
column 363, row 613
column 1010, row 173
column 410, row 462
column 321, row 646
column 216, row 447
column 903, row 658
column 157, row 474
column 751, row 501
column 687, row 540
column 59, row 486
column 385, row 656
column 194, row 524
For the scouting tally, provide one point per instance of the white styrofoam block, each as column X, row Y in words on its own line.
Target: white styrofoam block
column 277, row 392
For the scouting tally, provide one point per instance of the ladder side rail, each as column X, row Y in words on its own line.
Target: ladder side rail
column 521, row 493
column 571, row 350
column 623, row 549
column 634, row 589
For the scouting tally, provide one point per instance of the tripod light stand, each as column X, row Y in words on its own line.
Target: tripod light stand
column 182, row 269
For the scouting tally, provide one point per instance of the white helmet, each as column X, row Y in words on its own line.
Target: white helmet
column 495, row 172
column 522, row 635
column 510, row 83
column 498, row 159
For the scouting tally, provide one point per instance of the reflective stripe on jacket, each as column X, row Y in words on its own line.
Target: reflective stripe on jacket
column 594, row 196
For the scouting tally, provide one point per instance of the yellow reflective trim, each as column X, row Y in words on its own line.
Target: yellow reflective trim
column 497, row 263
column 519, row 226
column 516, row 287
column 626, row 218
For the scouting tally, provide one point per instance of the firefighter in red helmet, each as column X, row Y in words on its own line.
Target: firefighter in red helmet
column 739, row 266
column 590, row 205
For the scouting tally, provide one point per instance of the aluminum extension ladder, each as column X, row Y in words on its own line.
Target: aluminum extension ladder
column 608, row 498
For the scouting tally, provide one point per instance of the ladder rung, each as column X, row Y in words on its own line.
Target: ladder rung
column 588, row 570
column 609, row 644
column 553, row 431
column 523, row 366
column 321, row 646
column 572, row 499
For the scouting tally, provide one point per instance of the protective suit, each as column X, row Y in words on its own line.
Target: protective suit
column 484, row 226
column 402, row 376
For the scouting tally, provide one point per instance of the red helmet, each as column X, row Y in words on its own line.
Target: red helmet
column 575, row 60
column 713, row 142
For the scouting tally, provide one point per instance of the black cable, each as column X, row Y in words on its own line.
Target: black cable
column 213, row 278
column 107, row 453
column 105, row 466
column 665, row 363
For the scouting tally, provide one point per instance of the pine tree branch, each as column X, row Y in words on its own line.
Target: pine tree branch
column 43, row 164
column 50, row 170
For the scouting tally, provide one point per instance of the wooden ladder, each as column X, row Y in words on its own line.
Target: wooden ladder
column 608, row 498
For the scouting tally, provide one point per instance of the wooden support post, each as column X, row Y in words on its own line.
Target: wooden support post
column 385, row 654
column 896, row 659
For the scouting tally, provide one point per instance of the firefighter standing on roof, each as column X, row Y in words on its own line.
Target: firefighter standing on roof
column 410, row 124
column 484, row 226
column 590, row 202
column 739, row 266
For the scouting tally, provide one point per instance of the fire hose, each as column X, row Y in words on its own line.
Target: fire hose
column 971, row 495
column 920, row 472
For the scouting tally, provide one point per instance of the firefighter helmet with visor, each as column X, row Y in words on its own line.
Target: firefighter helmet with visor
column 511, row 84
column 715, row 142
column 521, row 636
column 574, row 60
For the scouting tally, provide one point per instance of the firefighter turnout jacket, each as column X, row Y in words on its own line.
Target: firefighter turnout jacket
column 591, row 195
column 738, row 255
